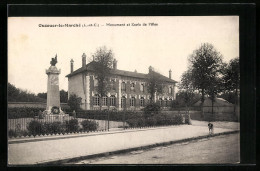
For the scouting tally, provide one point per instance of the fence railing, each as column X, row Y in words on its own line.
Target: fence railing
column 89, row 121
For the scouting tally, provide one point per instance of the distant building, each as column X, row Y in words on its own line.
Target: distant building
column 222, row 110
column 128, row 90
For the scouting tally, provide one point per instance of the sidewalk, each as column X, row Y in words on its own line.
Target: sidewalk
column 72, row 146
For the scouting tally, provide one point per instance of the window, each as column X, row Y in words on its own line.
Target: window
column 123, row 100
column 113, row 84
column 142, row 102
column 160, row 101
column 132, row 86
column 142, row 87
column 96, row 100
column 132, row 101
column 112, row 101
column 170, row 90
column 123, row 86
column 104, row 101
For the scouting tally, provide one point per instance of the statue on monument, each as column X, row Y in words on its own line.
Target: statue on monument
column 54, row 61
column 53, row 107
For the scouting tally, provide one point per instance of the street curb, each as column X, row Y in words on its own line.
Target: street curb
column 75, row 159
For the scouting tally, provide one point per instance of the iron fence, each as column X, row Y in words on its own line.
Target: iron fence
column 90, row 121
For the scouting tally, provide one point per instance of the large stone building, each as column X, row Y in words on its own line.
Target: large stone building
column 128, row 90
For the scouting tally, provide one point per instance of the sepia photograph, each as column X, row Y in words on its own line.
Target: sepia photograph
column 123, row 90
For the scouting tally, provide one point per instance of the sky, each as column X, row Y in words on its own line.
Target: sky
column 164, row 45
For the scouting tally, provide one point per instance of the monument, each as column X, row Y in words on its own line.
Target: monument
column 53, row 107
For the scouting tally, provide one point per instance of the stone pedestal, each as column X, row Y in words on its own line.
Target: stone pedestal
column 57, row 117
column 53, row 92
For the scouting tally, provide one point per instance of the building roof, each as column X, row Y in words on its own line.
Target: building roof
column 89, row 67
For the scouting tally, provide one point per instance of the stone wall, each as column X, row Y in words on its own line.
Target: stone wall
column 217, row 116
column 220, row 117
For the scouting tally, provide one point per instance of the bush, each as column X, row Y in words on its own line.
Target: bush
column 12, row 133
column 151, row 109
column 89, row 125
column 160, row 119
column 113, row 115
column 136, row 122
column 72, row 125
column 177, row 120
column 141, row 122
column 35, row 128
column 54, row 128
column 151, row 121
column 132, row 122
column 23, row 112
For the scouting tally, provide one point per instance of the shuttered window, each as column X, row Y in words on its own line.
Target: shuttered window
column 96, row 100
column 104, row 101
column 132, row 101
column 123, row 102
column 112, row 101
column 123, row 86
column 142, row 102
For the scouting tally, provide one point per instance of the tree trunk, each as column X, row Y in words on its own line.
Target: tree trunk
column 152, row 97
column 212, row 106
column 202, row 103
column 100, row 103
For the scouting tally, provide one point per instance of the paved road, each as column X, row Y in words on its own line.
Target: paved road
column 220, row 149
column 50, row 150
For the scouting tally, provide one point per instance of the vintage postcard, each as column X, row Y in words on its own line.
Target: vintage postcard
column 123, row 90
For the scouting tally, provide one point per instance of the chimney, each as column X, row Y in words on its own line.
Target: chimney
column 84, row 60
column 115, row 64
column 71, row 65
column 170, row 74
column 150, row 69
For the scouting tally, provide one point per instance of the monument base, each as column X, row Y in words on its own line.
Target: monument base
column 48, row 115
column 57, row 117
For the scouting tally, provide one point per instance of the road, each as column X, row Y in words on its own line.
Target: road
column 220, row 149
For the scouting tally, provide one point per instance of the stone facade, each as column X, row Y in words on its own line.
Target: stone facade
column 128, row 89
